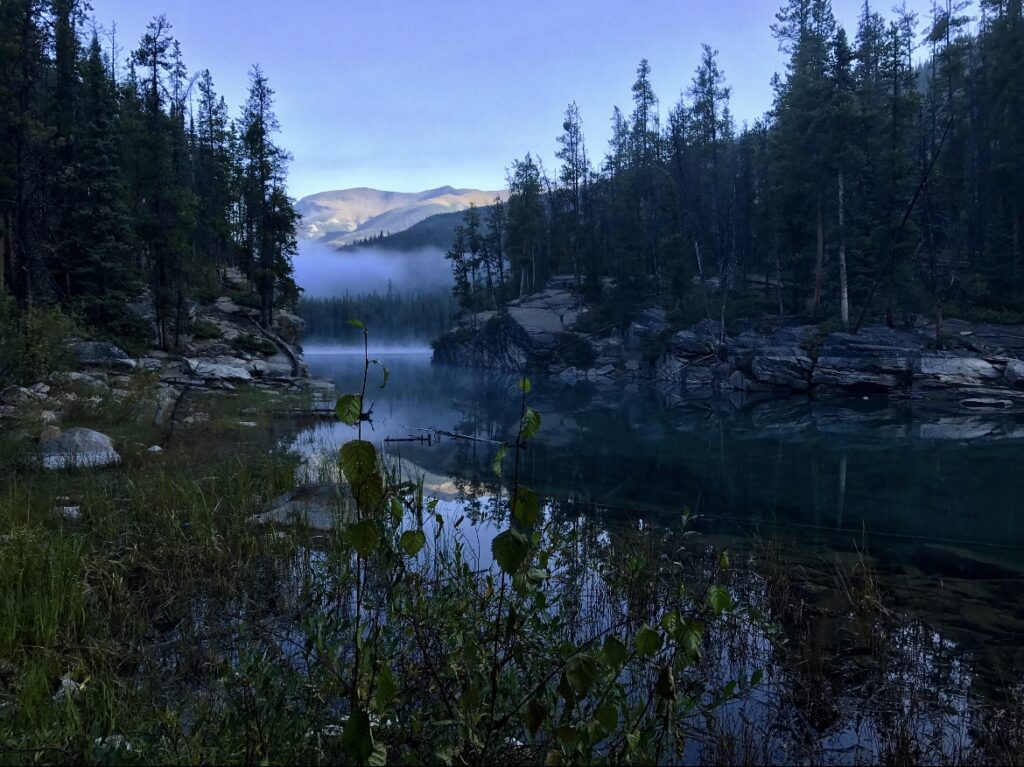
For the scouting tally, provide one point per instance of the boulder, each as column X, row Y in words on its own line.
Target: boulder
column 949, row 369
column 224, row 369
column 649, row 323
column 783, row 366
column 700, row 340
column 319, row 507
column 498, row 342
column 90, row 380
column 543, row 316
column 226, row 305
column 15, row 396
column 1014, row 373
column 77, row 447
column 100, row 354
column 876, row 359
column 166, row 397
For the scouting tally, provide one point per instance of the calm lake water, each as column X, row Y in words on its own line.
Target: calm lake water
column 864, row 468
column 931, row 499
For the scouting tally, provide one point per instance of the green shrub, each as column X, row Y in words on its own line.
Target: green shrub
column 205, row 329
column 33, row 342
column 254, row 344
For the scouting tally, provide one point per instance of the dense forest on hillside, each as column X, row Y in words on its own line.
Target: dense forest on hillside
column 124, row 182
column 885, row 181
column 395, row 316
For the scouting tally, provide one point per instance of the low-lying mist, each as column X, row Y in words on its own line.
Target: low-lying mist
column 354, row 346
column 325, row 272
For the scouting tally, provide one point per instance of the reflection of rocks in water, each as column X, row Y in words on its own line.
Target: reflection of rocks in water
column 319, row 507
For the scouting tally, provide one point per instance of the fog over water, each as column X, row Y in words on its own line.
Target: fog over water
column 324, row 272
column 397, row 349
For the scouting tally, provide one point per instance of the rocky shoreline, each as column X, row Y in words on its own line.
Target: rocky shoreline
column 980, row 367
column 232, row 350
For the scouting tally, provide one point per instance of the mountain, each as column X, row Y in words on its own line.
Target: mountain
column 347, row 216
column 437, row 231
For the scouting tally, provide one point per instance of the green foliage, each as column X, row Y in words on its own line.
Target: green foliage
column 255, row 344
column 32, row 343
column 510, row 550
column 349, row 409
column 114, row 192
column 205, row 329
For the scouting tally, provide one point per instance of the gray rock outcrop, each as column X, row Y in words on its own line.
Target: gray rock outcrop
column 100, row 354
column 78, row 448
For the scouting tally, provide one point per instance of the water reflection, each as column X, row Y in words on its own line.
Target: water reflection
column 870, row 468
column 833, row 504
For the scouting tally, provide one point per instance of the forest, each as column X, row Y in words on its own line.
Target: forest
column 885, row 182
column 396, row 316
column 126, row 184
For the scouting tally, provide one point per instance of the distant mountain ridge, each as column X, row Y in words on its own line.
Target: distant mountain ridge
column 348, row 216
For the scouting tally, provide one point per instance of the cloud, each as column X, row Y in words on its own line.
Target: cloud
column 323, row 271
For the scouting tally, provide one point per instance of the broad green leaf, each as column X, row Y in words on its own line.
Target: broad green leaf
column 607, row 715
column 397, row 510
column 525, row 386
column 648, row 641
column 509, row 550
column 670, row 622
column 691, row 636
column 386, row 691
column 666, row 685
column 412, row 542
column 526, row 509
column 536, row 713
column 358, row 460
column 357, row 324
column 719, row 599
column 530, row 425
column 357, row 737
column 723, row 560
column 499, row 459
column 756, row 677
column 349, row 409
column 581, row 671
column 615, row 651
column 365, row 537
column 537, row 575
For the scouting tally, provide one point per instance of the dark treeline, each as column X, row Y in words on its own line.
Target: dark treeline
column 887, row 179
column 121, row 179
column 394, row 316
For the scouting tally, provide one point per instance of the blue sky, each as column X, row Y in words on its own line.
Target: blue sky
column 413, row 95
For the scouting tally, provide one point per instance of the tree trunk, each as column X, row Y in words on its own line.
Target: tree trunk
column 844, row 298
column 819, row 266
column 778, row 275
column 703, row 283
column 4, row 231
column 1015, row 246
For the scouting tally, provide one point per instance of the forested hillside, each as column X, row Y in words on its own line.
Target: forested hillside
column 396, row 316
column 125, row 183
column 886, row 181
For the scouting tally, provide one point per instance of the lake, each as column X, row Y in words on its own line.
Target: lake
column 919, row 503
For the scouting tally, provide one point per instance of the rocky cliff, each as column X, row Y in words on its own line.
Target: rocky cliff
column 981, row 366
